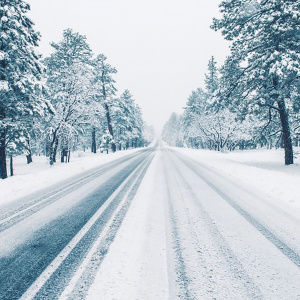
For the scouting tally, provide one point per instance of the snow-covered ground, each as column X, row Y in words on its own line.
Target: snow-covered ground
column 259, row 170
column 38, row 175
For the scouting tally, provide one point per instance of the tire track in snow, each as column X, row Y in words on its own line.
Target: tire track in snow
column 235, row 268
column 183, row 279
column 20, row 268
column 12, row 217
column 85, row 274
column 105, row 228
column 292, row 255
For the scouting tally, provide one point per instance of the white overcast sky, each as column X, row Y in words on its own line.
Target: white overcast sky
column 160, row 47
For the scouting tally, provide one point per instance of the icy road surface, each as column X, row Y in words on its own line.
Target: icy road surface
column 155, row 224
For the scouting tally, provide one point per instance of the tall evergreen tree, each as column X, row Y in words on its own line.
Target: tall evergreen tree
column 172, row 131
column 128, row 122
column 196, row 105
column 68, row 81
column 20, row 72
column 139, row 127
column 211, row 78
column 105, row 90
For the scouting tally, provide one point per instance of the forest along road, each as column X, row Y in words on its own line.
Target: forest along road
column 44, row 237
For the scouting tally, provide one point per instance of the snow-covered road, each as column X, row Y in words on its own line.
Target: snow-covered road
column 229, row 243
column 168, row 227
column 194, row 234
column 44, row 238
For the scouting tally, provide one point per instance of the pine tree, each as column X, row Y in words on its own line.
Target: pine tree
column 265, row 43
column 211, row 78
column 196, row 104
column 172, row 131
column 128, row 122
column 20, row 72
column 139, row 126
column 121, row 123
column 96, row 125
column 69, row 85
column 104, row 90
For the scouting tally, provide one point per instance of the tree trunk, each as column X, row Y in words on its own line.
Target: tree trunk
column 11, row 166
column 285, row 125
column 286, row 132
column 53, row 150
column 3, row 170
column 110, row 129
column 48, row 147
column 94, row 149
column 64, row 155
column 29, row 155
column 29, row 158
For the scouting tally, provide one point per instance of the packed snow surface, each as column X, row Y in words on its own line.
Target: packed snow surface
column 136, row 265
column 170, row 247
column 182, row 238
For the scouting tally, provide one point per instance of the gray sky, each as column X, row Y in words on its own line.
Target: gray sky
column 160, row 47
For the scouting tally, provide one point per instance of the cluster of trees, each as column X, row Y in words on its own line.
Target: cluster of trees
column 254, row 98
column 62, row 102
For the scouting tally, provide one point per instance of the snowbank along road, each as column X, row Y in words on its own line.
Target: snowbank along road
column 196, row 235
